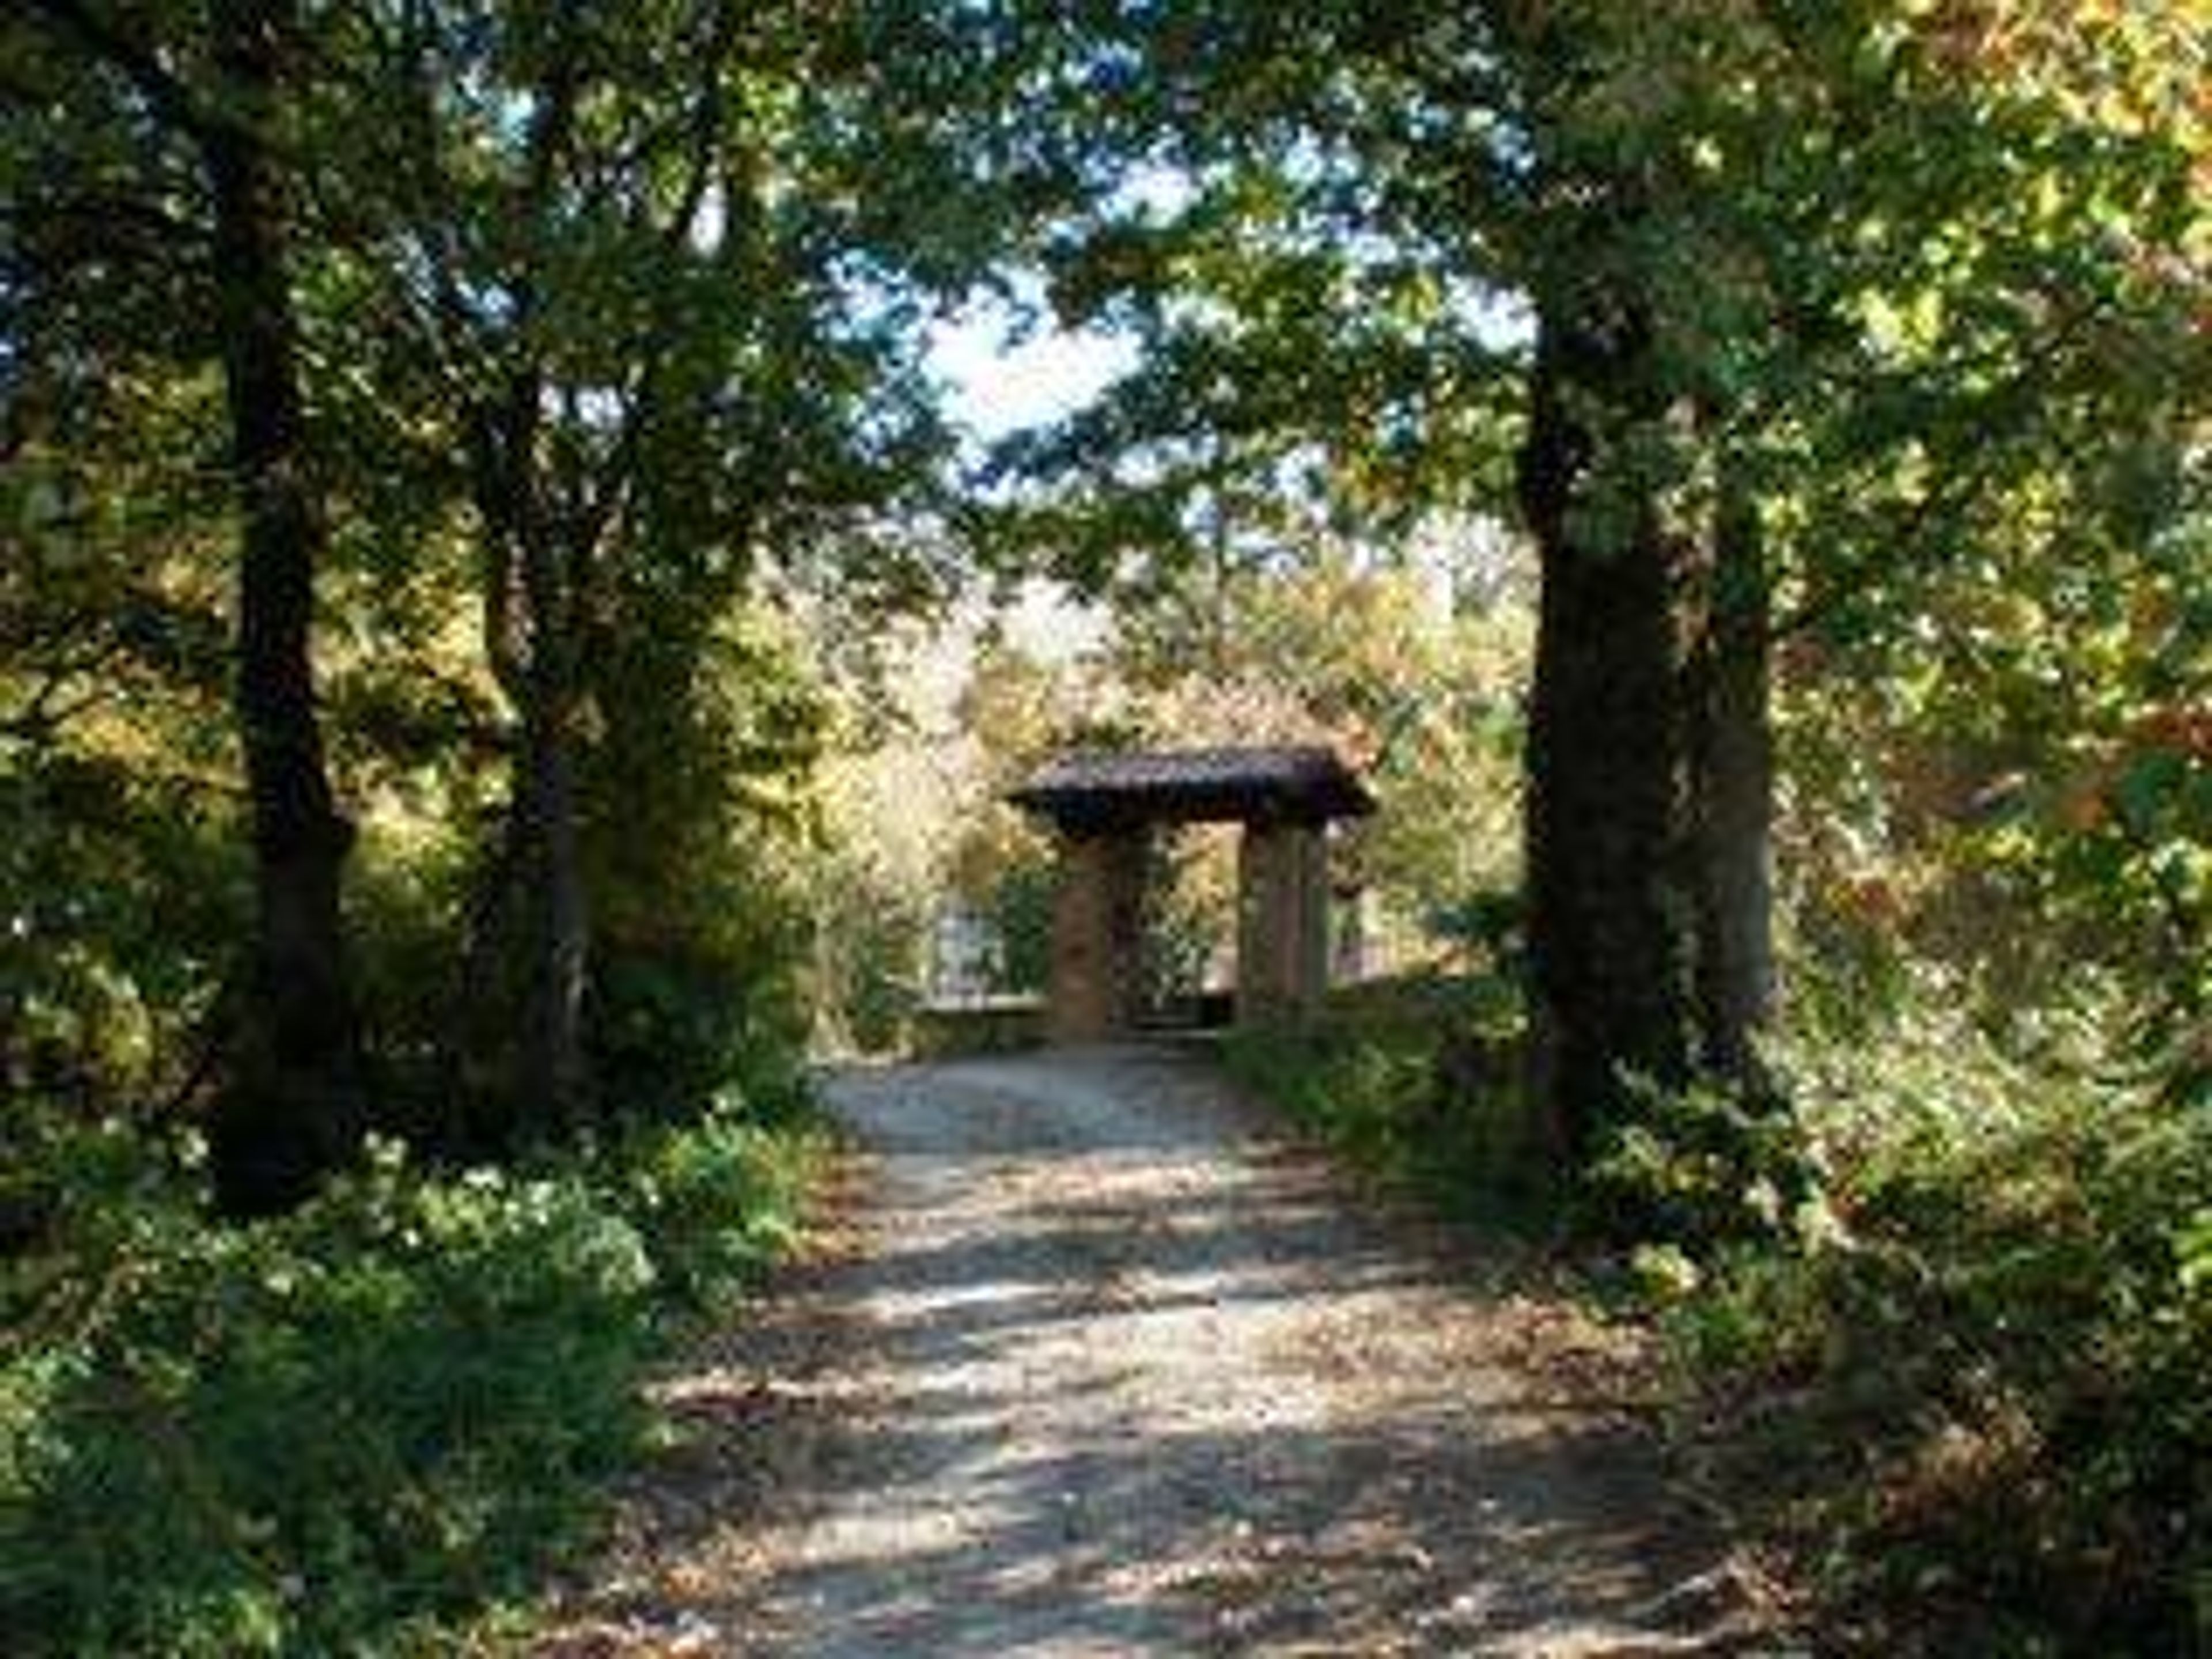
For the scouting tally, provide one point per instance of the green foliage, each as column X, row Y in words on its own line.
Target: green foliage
column 717, row 1202
column 672, row 1024
column 699, row 803
column 2025, row 781
column 1696, row 1166
column 335, row 1431
column 871, row 935
column 1363, row 1095
column 256, row 1441
column 121, row 879
column 1019, row 911
column 1415, row 1083
column 1970, row 1381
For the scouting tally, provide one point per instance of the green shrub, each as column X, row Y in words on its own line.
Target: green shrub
column 1975, row 1393
column 333, row 1432
column 113, row 883
column 1415, row 1083
column 1698, row 1166
column 279, row 1438
column 716, row 1203
column 870, row 971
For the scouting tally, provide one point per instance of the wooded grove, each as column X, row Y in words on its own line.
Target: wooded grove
column 481, row 513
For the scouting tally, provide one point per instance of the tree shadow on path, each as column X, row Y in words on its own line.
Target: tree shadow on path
column 1108, row 1367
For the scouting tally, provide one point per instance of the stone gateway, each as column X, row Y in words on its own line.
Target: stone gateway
column 1105, row 807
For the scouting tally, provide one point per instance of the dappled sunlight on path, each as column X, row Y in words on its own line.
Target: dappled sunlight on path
column 1108, row 1368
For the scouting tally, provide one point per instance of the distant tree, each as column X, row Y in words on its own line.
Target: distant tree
column 648, row 284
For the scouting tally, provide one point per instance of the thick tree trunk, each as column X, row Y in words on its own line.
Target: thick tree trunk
column 292, row 1108
column 1733, row 774
column 1609, row 924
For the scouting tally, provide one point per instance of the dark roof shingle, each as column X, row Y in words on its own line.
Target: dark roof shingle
column 1304, row 781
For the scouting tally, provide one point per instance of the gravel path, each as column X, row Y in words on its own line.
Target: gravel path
column 1103, row 1366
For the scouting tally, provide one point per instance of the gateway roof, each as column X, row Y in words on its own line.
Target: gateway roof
column 1304, row 782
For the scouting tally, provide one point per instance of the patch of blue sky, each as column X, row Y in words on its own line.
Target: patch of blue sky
column 1003, row 370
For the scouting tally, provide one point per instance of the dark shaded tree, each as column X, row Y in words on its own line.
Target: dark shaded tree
column 289, row 1105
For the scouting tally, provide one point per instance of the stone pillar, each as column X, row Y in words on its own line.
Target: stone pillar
column 1097, row 921
column 1282, row 933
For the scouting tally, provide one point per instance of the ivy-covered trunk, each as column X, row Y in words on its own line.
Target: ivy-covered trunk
column 1611, row 923
column 291, row 1104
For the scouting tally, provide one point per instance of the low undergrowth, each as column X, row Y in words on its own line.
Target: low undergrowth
column 1414, row 1085
column 1934, row 1318
column 1964, row 1379
column 357, row 1428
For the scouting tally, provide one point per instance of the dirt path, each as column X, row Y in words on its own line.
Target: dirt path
column 1104, row 1366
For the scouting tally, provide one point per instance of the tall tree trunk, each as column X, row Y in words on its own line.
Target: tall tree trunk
column 1609, row 925
column 292, row 1108
column 1733, row 781
column 554, row 1072
column 533, row 932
